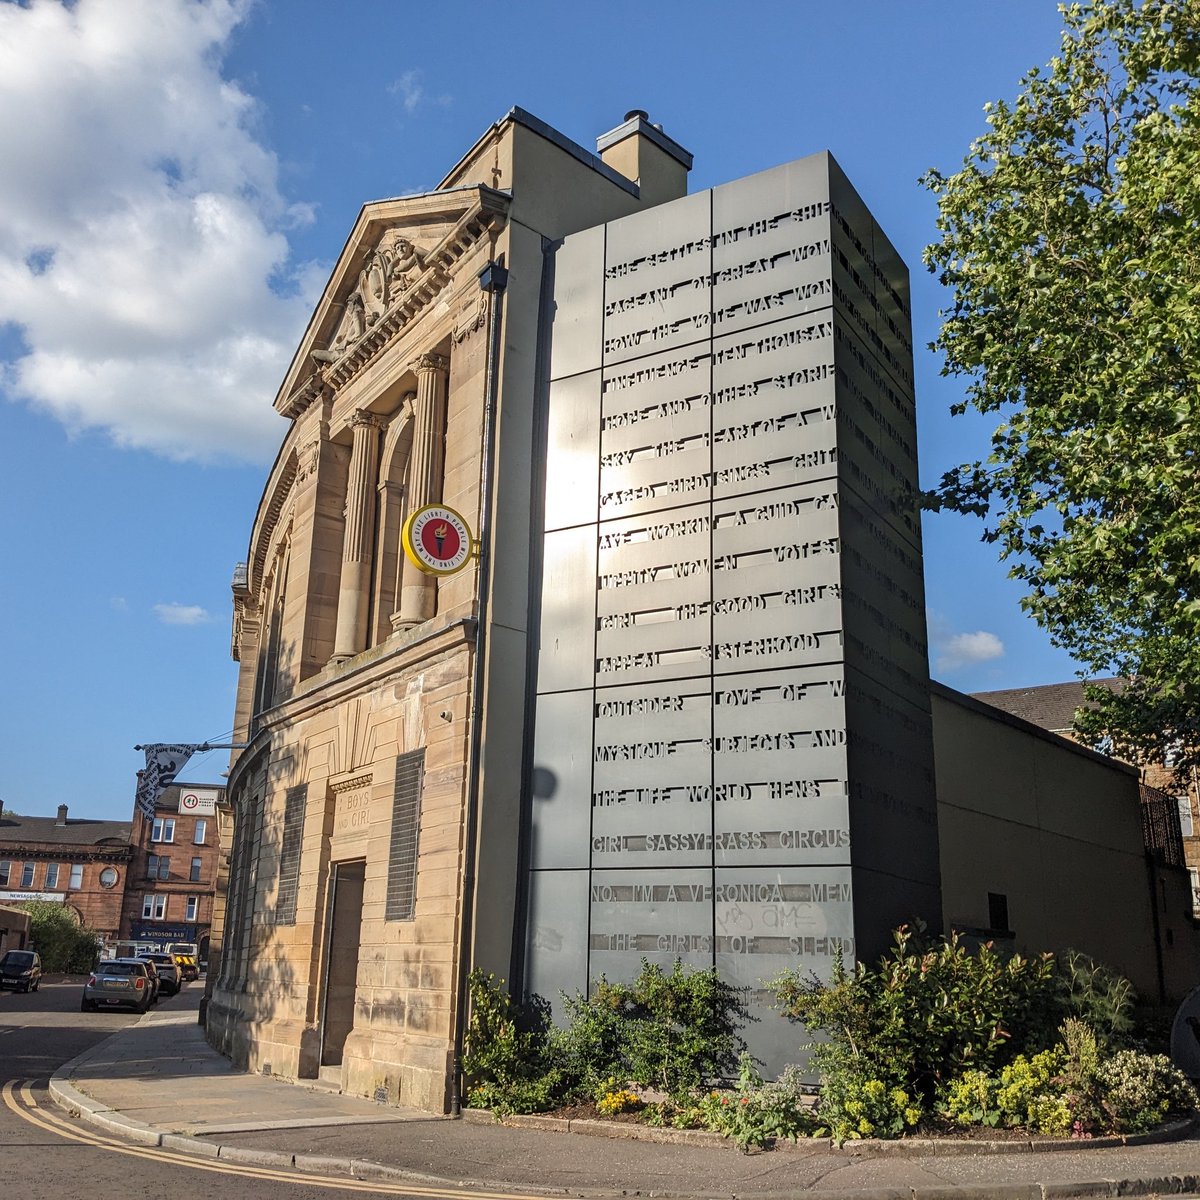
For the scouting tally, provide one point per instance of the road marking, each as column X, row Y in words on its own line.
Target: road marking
column 30, row 1111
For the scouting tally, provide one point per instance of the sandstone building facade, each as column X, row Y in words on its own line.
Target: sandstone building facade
column 69, row 860
column 173, row 872
column 366, row 873
column 679, row 705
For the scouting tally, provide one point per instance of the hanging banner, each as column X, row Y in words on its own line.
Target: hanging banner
column 163, row 763
column 437, row 540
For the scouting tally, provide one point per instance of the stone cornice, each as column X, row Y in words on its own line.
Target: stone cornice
column 310, row 391
column 64, row 853
column 485, row 213
column 349, row 785
column 392, row 657
column 269, row 519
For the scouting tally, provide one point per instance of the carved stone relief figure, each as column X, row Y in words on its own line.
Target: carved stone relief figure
column 390, row 269
column 352, row 325
column 373, row 287
column 405, row 262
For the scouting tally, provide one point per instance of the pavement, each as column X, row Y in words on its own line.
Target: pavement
column 158, row 1082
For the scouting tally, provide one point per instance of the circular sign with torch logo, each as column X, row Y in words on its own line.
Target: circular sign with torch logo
column 437, row 540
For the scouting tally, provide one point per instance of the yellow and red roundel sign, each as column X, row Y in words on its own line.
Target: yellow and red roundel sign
column 437, row 540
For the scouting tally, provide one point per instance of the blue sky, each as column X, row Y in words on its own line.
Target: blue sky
column 176, row 181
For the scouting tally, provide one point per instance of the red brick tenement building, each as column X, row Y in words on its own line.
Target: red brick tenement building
column 74, row 861
column 173, row 873
column 1053, row 706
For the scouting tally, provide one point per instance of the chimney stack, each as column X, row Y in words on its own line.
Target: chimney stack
column 658, row 164
column 62, row 815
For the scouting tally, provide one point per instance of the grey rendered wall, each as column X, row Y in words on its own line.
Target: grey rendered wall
column 1052, row 827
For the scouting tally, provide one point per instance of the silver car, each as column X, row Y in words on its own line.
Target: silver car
column 118, row 983
column 169, row 977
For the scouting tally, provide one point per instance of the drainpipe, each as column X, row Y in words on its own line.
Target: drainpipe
column 493, row 279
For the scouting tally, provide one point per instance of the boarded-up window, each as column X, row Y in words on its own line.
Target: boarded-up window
column 289, row 854
column 406, row 820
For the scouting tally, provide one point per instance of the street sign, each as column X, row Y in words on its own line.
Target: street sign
column 198, row 801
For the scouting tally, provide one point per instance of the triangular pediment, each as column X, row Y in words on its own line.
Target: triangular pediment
column 399, row 256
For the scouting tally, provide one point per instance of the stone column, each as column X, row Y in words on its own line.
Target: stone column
column 354, row 594
column 418, row 592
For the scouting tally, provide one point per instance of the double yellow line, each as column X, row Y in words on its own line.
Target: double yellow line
column 19, row 1099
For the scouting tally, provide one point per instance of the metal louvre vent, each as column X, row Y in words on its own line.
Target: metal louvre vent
column 406, row 821
column 1160, row 826
column 289, row 854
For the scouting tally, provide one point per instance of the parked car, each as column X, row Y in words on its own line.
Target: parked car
column 21, row 969
column 155, row 981
column 169, row 978
column 118, row 983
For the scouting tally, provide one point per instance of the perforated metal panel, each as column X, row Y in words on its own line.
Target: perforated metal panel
column 732, row 726
column 406, row 829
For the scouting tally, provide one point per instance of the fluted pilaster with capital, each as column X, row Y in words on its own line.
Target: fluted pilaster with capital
column 358, row 543
column 418, row 594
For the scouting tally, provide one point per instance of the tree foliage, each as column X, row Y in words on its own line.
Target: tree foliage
column 63, row 943
column 1070, row 240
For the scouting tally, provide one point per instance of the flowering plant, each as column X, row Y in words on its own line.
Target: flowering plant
column 754, row 1113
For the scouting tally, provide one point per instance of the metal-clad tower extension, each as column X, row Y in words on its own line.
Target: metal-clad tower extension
column 732, row 756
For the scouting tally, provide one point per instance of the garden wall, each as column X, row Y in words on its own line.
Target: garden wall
column 1041, row 849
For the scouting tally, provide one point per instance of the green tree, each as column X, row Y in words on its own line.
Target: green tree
column 64, row 944
column 1071, row 245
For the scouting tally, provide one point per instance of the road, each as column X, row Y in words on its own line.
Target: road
column 49, row 1156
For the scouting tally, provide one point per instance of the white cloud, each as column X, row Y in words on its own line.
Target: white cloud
column 181, row 614
column 118, row 603
column 143, row 237
column 412, row 92
column 966, row 649
column 408, row 88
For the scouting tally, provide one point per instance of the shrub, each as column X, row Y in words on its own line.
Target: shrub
column 673, row 1032
column 1143, row 1090
column 683, row 1027
column 1073, row 1088
column 853, row 1106
column 1030, row 1094
column 971, row 1100
column 926, row 1014
column 591, row 1048
column 669, row 1031
column 754, row 1113
column 1080, row 1074
column 63, row 943
column 509, row 1060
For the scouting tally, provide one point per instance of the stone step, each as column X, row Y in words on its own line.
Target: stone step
column 329, row 1080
